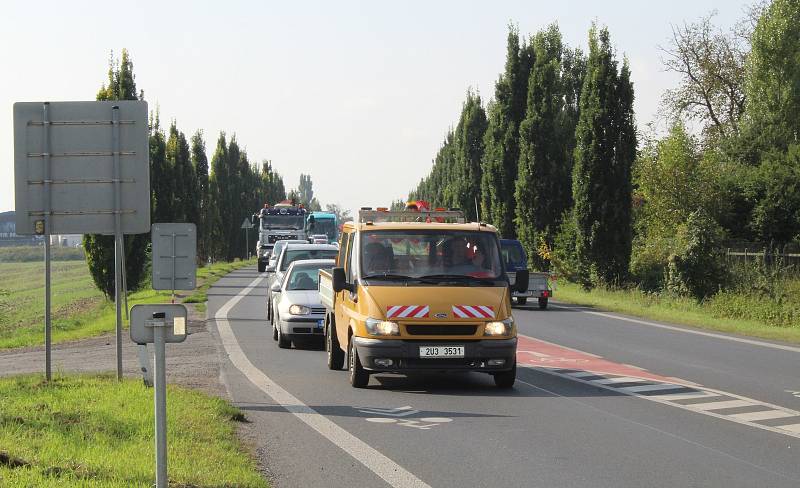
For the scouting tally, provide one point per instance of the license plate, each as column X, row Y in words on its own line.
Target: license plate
column 441, row 351
column 319, row 324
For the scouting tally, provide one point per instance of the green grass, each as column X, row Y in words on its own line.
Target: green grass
column 26, row 254
column 737, row 313
column 98, row 432
column 79, row 309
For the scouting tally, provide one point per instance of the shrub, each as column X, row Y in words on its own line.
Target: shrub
column 697, row 269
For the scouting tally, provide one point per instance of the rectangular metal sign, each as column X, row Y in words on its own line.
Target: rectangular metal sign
column 142, row 322
column 83, row 163
column 174, row 256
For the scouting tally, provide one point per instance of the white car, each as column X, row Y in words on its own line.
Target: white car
column 276, row 251
column 318, row 239
column 291, row 253
column 299, row 315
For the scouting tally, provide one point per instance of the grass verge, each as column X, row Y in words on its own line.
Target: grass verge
column 77, row 323
column 98, row 432
column 685, row 311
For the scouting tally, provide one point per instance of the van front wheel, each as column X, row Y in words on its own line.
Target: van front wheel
column 335, row 353
column 506, row 379
column 359, row 377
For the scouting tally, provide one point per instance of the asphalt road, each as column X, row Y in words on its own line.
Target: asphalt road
column 552, row 430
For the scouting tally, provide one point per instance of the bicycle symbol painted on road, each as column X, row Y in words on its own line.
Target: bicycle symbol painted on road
column 397, row 416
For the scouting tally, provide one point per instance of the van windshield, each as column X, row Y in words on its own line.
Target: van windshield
column 431, row 257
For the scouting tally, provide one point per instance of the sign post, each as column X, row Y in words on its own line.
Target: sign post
column 247, row 225
column 82, row 168
column 158, row 325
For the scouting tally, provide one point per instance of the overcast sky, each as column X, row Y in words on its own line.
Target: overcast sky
column 357, row 94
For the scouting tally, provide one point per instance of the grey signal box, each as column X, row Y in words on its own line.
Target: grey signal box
column 174, row 256
column 144, row 318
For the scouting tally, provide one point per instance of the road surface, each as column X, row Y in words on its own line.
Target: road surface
column 600, row 401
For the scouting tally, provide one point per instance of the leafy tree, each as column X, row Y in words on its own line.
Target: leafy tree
column 469, row 148
column 184, row 202
column 775, row 187
column 773, row 77
column 200, row 166
column 501, row 154
column 606, row 147
column 544, row 168
column 99, row 248
column 342, row 215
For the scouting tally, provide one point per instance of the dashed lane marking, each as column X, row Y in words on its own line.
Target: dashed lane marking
column 694, row 398
column 391, row 472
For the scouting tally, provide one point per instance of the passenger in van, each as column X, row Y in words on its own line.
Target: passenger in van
column 461, row 258
column 377, row 258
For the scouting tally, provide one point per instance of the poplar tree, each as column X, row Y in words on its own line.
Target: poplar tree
column 99, row 248
column 543, row 165
column 605, row 149
column 501, row 154
column 469, row 148
column 219, row 198
column 200, row 167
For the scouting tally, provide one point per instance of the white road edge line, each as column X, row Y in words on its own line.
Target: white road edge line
column 391, row 472
column 665, row 401
column 742, row 340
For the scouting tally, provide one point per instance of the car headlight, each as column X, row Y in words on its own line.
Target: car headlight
column 299, row 310
column 382, row 327
column 499, row 328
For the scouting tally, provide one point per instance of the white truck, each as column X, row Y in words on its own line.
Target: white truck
column 283, row 221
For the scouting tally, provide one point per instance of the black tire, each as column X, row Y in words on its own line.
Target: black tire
column 262, row 267
column 506, row 379
column 542, row 303
column 274, row 332
column 522, row 301
column 269, row 310
column 359, row 377
column 283, row 341
column 335, row 353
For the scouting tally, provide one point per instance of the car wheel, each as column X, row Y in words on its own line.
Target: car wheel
column 274, row 332
column 542, row 303
column 283, row 341
column 359, row 377
column 506, row 379
column 335, row 353
column 262, row 267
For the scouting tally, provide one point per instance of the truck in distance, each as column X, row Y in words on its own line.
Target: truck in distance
column 416, row 291
column 323, row 223
column 515, row 258
column 283, row 221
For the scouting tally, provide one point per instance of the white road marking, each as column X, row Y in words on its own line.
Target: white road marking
column 618, row 379
column 721, row 405
column 762, row 415
column 643, row 388
column 391, row 472
column 582, row 374
column 669, row 399
column 742, row 340
column 792, row 427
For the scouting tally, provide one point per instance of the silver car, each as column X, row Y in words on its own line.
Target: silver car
column 291, row 253
column 276, row 251
column 299, row 315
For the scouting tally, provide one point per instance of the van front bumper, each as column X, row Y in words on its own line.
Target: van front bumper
column 404, row 355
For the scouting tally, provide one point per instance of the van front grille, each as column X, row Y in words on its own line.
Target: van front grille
column 442, row 329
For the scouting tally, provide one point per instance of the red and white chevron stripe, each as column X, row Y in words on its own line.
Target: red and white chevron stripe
column 473, row 311
column 408, row 311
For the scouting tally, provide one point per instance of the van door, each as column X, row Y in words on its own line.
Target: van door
column 342, row 297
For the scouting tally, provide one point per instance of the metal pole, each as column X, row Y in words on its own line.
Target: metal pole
column 117, row 235
column 160, row 405
column 173, row 267
column 246, row 243
column 48, row 370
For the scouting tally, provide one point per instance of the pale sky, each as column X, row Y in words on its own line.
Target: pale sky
column 357, row 94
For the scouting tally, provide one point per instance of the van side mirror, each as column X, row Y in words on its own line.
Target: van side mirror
column 521, row 281
column 340, row 280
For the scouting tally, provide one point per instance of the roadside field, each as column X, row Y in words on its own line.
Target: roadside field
column 726, row 312
column 44, row 429
column 79, row 309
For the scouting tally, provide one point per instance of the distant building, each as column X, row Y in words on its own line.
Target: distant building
column 7, row 225
column 66, row 240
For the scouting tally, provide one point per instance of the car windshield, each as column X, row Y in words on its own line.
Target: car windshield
column 276, row 251
column 305, row 277
column 292, row 255
column 430, row 256
column 282, row 222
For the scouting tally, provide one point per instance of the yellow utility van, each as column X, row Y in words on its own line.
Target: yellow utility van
column 416, row 291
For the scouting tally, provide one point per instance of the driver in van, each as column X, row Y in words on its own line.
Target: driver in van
column 461, row 257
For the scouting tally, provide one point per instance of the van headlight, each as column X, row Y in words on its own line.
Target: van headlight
column 382, row 327
column 299, row 310
column 499, row 328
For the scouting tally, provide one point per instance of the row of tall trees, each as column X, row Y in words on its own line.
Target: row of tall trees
column 185, row 188
column 555, row 145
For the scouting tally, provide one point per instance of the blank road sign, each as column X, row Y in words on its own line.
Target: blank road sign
column 75, row 144
column 174, row 256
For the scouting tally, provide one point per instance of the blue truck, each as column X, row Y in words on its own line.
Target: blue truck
column 323, row 223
